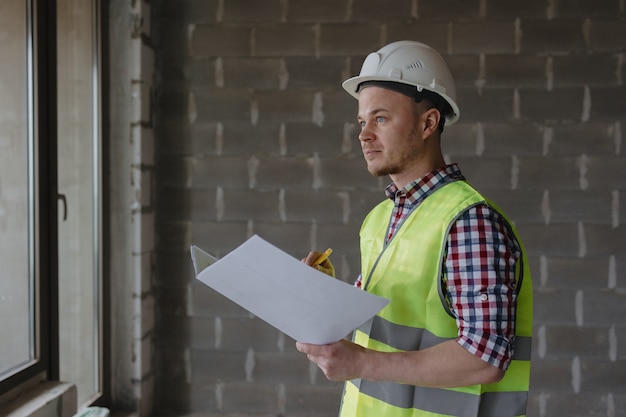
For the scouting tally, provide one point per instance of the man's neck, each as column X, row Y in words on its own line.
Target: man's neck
column 402, row 179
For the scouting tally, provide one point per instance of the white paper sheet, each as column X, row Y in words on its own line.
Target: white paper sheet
column 302, row 302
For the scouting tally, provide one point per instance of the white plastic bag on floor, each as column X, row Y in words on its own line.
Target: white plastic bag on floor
column 93, row 412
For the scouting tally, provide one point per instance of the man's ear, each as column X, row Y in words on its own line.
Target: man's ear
column 431, row 118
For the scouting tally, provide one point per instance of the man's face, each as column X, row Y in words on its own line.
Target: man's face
column 389, row 136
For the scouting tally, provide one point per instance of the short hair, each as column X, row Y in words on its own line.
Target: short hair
column 438, row 102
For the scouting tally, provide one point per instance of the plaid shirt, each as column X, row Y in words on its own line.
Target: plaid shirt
column 478, row 269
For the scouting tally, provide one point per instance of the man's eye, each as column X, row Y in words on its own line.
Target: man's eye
column 380, row 119
column 361, row 123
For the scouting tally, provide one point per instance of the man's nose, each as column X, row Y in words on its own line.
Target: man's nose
column 365, row 134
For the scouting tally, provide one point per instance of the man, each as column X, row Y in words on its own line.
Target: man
column 455, row 338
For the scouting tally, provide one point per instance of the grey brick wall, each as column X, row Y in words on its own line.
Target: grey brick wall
column 255, row 135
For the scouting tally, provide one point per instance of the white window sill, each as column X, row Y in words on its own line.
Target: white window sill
column 44, row 399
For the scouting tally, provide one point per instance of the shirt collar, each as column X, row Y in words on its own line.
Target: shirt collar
column 422, row 187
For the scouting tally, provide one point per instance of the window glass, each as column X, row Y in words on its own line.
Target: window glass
column 17, row 281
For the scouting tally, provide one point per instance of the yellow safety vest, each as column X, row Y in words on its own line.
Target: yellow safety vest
column 407, row 270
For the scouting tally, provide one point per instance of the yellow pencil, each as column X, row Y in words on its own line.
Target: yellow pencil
column 322, row 257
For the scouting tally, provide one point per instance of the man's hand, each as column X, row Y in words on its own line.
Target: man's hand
column 340, row 361
column 326, row 266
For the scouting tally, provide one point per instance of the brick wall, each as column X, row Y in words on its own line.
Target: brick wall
column 255, row 135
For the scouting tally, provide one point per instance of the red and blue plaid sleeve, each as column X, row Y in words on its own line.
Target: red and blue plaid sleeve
column 479, row 270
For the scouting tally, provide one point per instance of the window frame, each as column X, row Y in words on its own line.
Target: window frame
column 41, row 42
column 41, row 57
column 96, row 194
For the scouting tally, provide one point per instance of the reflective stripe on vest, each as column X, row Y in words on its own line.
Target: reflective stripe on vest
column 411, row 338
column 390, row 270
column 447, row 402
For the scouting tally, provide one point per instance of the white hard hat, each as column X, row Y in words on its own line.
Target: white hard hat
column 411, row 63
